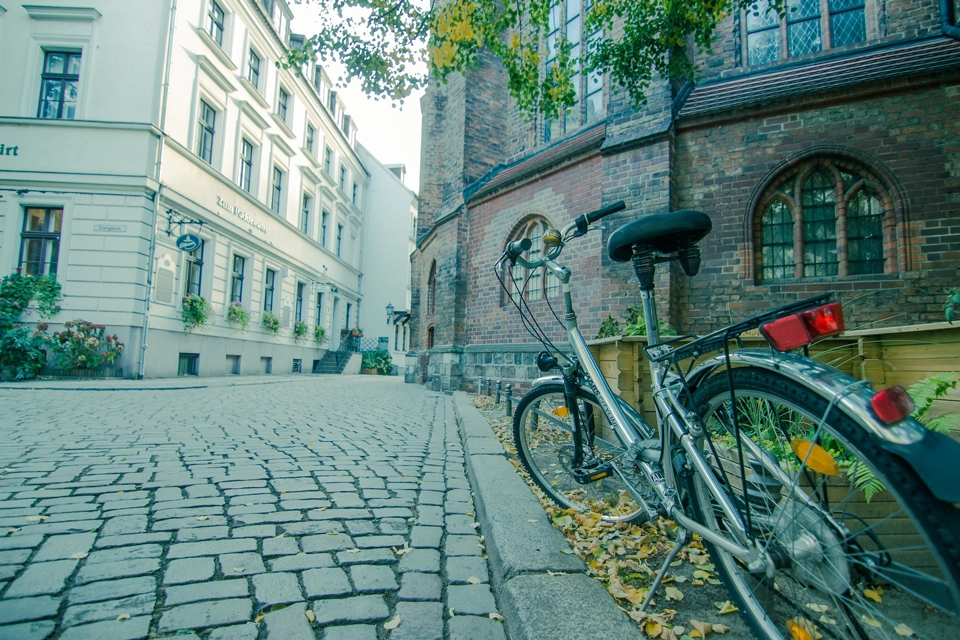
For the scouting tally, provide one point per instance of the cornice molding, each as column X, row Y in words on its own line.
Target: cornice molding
column 220, row 54
column 280, row 144
column 211, row 70
column 38, row 12
column 255, row 93
column 247, row 109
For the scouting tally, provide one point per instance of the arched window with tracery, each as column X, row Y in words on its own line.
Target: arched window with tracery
column 536, row 284
column 432, row 288
column 825, row 218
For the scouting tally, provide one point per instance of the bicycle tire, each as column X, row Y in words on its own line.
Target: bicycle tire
column 919, row 532
column 543, row 434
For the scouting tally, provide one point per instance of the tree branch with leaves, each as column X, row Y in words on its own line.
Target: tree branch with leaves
column 395, row 47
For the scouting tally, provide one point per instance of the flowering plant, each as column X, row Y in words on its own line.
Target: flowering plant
column 299, row 331
column 84, row 345
column 195, row 312
column 237, row 316
column 271, row 322
column 319, row 334
column 356, row 332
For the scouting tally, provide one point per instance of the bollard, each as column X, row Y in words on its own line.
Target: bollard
column 489, row 386
column 480, row 386
column 509, row 400
column 499, row 388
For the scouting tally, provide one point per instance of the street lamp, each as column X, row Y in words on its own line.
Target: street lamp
column 389, row 313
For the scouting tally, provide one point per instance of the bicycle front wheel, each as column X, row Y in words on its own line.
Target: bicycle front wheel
column 861, row 547
column 543, row 429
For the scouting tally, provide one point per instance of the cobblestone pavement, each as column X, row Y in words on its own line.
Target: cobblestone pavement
column 131, row 514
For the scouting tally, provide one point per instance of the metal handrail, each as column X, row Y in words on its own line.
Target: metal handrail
column 348, row 344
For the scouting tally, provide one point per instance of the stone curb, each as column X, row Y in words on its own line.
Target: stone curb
column 524, row 548
column 162, row 384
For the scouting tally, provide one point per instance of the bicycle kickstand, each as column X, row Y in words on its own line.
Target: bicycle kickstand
column 682, row 539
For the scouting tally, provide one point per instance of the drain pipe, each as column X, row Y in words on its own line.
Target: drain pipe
column 950, row 27
column 156, row 197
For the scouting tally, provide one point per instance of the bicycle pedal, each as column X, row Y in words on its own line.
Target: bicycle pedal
column 586, row 476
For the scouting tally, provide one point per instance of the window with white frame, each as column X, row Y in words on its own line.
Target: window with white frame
column 355, row 196
column 566, row 23
column 339, row 240
column 59, row 85
column 276, row 190
column 245, row 173
column 193, row 271
column 253, row 69
column 236, row 278
column 305, row 213
column 215, row 18
column 343, row 178
column 283, row 104
column 808, row 26
column 324, row 216
column 40, row 241
column 269, row 283
column 298, row 303
column 328, row 161
column 319, row 319
column 206, row 131
column 310, row 141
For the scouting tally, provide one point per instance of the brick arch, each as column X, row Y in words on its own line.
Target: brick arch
column 798, row 166
column 523, row 222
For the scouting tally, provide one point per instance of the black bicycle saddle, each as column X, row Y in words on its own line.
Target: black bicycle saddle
column 664, row 232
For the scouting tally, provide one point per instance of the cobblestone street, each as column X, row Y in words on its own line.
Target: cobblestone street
column 238, row 512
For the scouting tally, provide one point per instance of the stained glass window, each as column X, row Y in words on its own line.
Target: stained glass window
column 777, row 239
column 864, row 234
column 763, row 34
column 819, row 225
column 847, row 22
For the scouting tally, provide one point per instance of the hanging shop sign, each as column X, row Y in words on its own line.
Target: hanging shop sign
column 188, row 242
column 243, row 215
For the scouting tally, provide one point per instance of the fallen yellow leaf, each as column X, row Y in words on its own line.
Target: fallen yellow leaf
column 819, row 608
column 496, row 616
column 310, row 615
column 653, row 628
column 903, row 630
column 393, row 624
column 870, row 621
column 474, row 580
column 673, row 593
column 726, row 607
column 79, row 555
column 873, row 595
column 123, row 616
column 202, row 518
column 258, row 619
column 239, row 569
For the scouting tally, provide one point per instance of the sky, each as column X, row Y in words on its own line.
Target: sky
column 391, row 134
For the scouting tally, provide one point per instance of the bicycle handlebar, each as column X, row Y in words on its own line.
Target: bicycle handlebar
column 515, row 248
column 583, row 222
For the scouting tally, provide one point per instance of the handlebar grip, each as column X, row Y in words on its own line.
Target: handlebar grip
column 602, row 213
column 515, row 248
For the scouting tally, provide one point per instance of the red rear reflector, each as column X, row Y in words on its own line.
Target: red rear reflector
column 786, row 333
column 893, row 404
column 824, row 321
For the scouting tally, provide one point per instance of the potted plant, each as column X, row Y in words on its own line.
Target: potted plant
column 356, row 332
column 344, row 333
column 319, row 334
column 271, row 322
column 237, row 316
column 299, row 331
column 195, row 312
column 376, row 362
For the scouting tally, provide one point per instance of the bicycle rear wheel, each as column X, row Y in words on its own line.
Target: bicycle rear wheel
column 847, row 566
column 543, row 432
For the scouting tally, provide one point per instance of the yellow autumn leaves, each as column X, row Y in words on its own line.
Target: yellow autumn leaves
column 454, row 27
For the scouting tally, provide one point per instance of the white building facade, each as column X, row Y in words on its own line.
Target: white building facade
column 132, row 124
column 390, row 220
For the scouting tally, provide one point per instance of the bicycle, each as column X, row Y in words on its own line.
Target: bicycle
column 758, row 451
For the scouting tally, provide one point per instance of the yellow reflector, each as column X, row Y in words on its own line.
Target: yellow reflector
column 816, row 456
column 797, row 632
column 561, row 412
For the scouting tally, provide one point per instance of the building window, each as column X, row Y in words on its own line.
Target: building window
column 236, row 279
column 356, row 193
column 205, row 132
column 319, row 318
column 253, row 70
column 276, row 190
column 535, row 284
column 343, row 178
column 566, row 23
column 323, row 228
column 808, row 26
column 189, row 364
column 58, row 85
column 215, row 23
column 310, row 138
column 283, row 101
column 430, row 333
column 349, row 312
column 339, row 240
column 826, row 218
column 305, row 213
column 246, row 165
column 194, row 271
column 432, row 288
column 269, row 279
column 328, row 160
column 40, row 241
column 298, row 310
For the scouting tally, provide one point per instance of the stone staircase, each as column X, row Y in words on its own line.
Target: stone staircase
column 329, row 363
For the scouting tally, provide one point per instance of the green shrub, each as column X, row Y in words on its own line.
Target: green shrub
column 84, row 345
column 24, row 350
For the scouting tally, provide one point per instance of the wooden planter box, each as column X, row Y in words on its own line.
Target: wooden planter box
column 369, row 372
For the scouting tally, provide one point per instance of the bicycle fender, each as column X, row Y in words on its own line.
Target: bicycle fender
column 934, row 459
column 933, row 456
